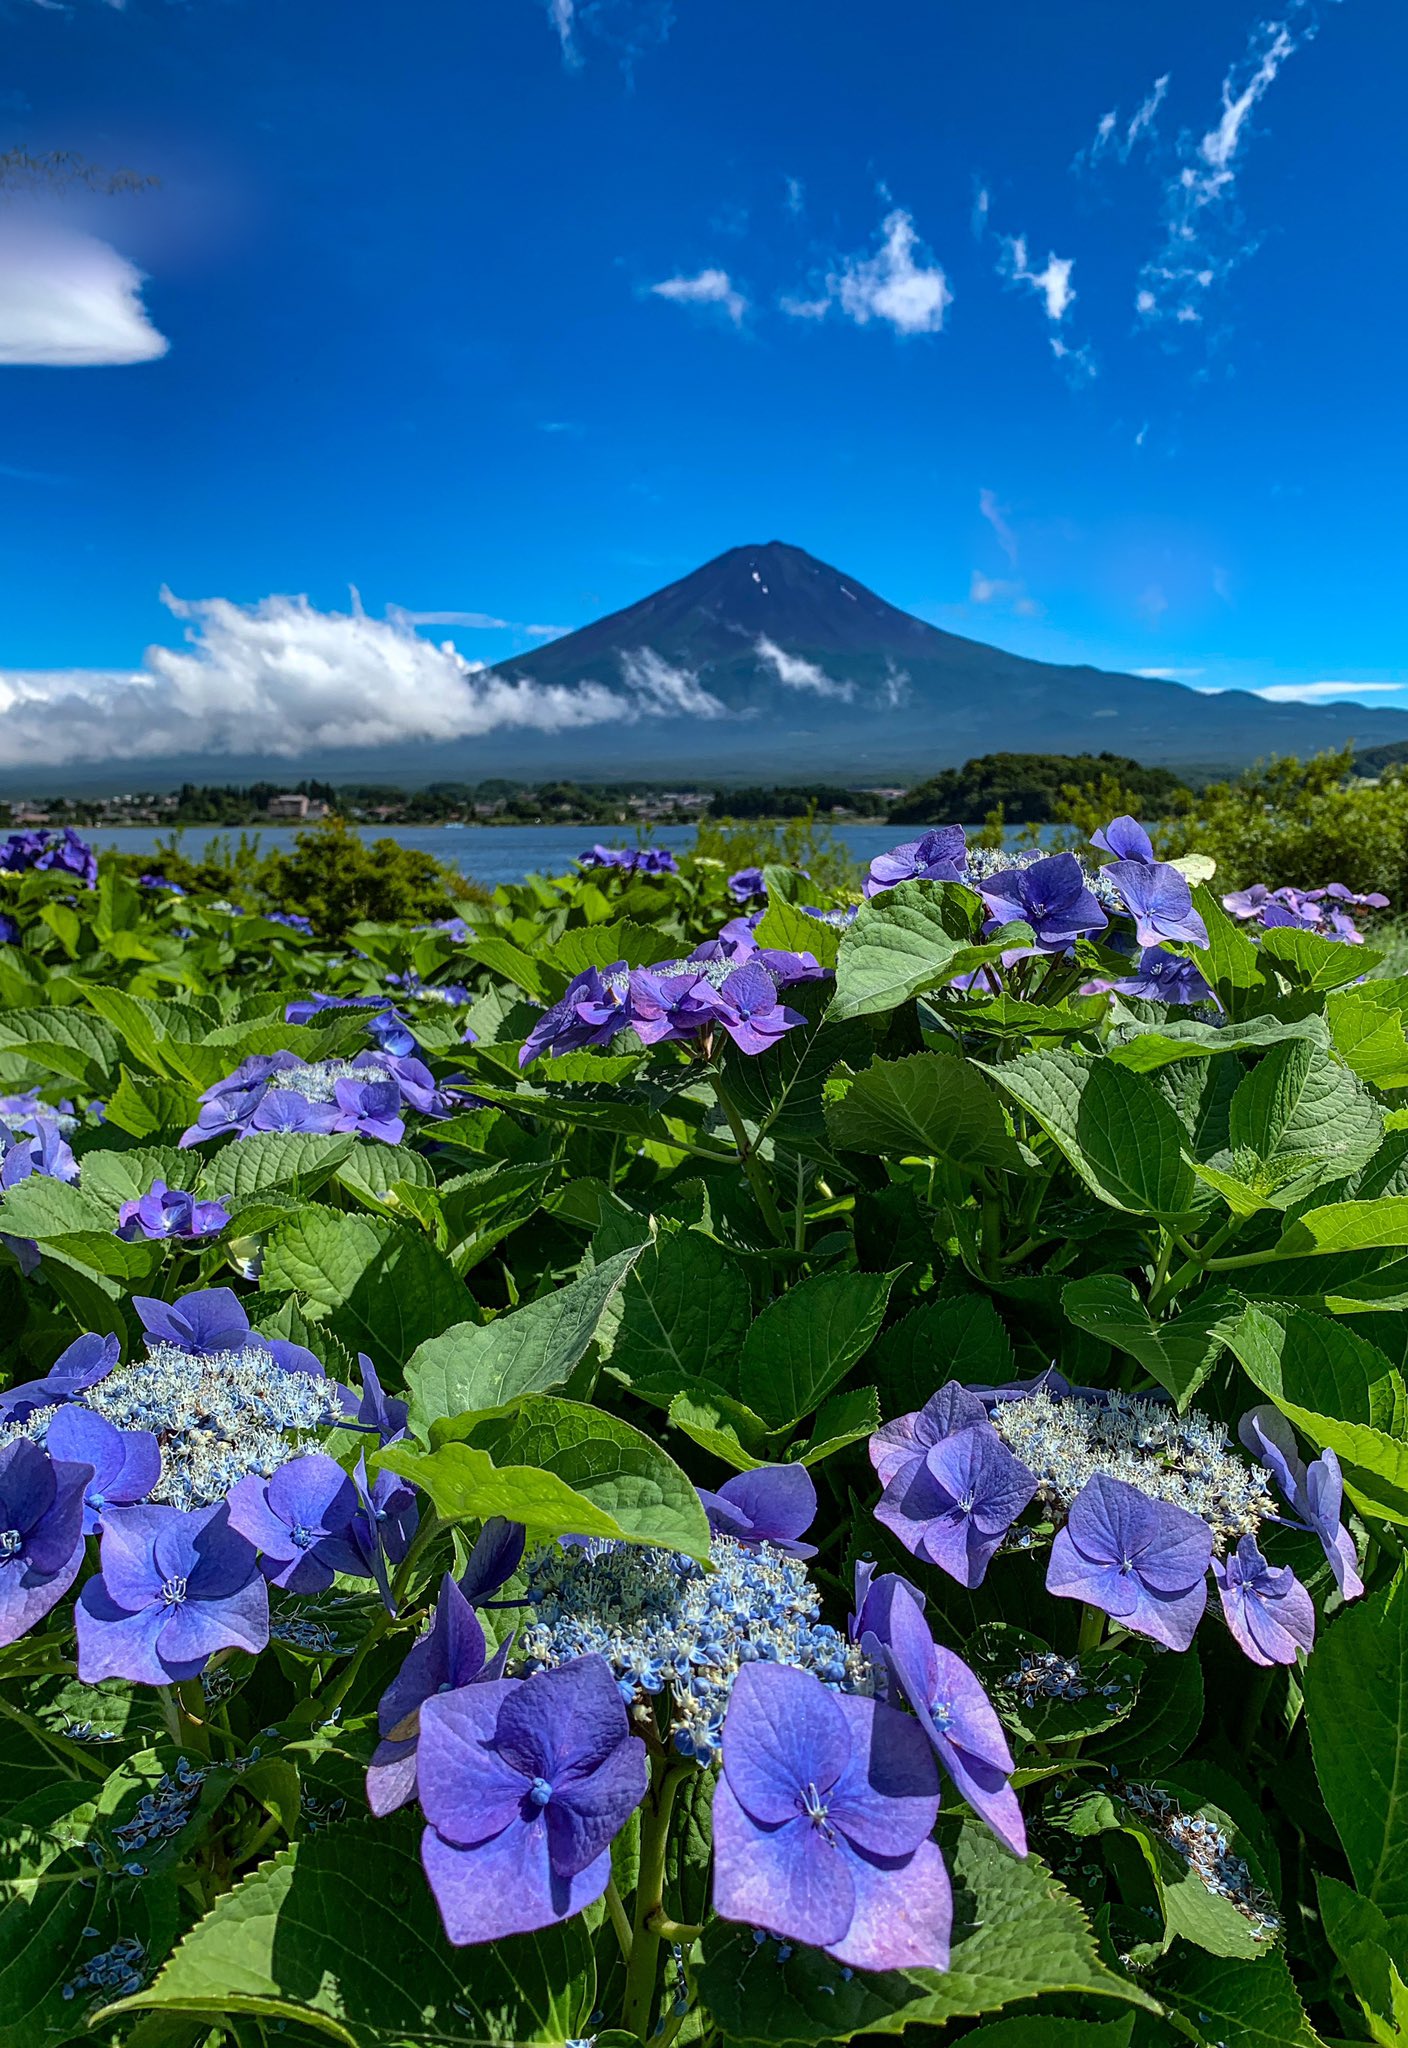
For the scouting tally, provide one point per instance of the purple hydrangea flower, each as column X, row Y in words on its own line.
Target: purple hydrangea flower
column 1051, row 896
column 294, row 919
column 9, row 930
column 385, row 1024
column 669, row 1007
column 383, row 1526
column 632, row 860
column 300, row 1520
column 43, row 1150
column 174, row 1588
column 384, row 1413
column 41, row 1533
column 938, row 856
column 746, row 884
column 1246, row 903
column 592, row 1009
column 773, row 1504
column 956, row 1715
column 1143, row 1561
column 496, row 1556
column 160, row 882
column 214, row 1320
column 954, row 1506
column 1315, row 1492
column 126, row 1463
column 750, row 1012
column 170, row 1212
column 525, row 1784
column 899, row 1448
column 1266, row 1607
column 451, row 1653
column 86, row 1361
column 1159, row 900
column 1159, row 978
column 1125, row 838
column 822, row 1818
column 65, row 852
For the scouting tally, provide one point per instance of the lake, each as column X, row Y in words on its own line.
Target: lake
column 488, row 853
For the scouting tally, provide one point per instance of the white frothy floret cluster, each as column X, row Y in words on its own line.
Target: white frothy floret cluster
column 1187, row 1460
column 317, row 1082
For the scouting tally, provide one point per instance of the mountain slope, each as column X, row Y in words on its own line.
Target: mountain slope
column 766, row 660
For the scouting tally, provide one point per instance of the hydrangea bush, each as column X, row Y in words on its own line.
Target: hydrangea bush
column 679, row 1456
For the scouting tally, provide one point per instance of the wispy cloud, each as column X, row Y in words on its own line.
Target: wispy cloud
column 69, row 300
column 1052, row 282
column 563, row 16
column 1323, row 693
column 796, row 201
column 996, row 517
column 1113, row 140
column 899, row 284
column 479, row 622
column 1205, row 237
column 795, row 674
column 1003, row 590
column 1169, row 675
column 706, row 288
column 282, row 679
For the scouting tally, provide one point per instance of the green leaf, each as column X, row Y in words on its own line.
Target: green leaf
column 1300, row 1109
column 935, row 1104
column 465, row 1484
column 475, row 1366
column 272, row 1159
column 371, row 1170
column 340, row 1935
column 1046, row 2031
column 1347, row 1227
column 906, row 940
column 727, row 1429
column 1017, row 1934
column 118, row 1177
column 788, row 928
column 804, row 1343
column 782, row 1094
column 1111, row 1677
column 70, row 1042
column 511, row 963
column 39, row 1207
column 960, row 1337
column 1339, row 1390
column 686, row 1306
column 1369, row 1037
column 381, row 1285
column 602, row 945
column 619, row 1471
column 1113, row 1127
column 1356, row 1702
column 1147, row 1047
column 845, row 1419
column 1310, row 962
column 147, row 1108
column 1179, row 1353
column 1228, row 2003
column 1231, row 962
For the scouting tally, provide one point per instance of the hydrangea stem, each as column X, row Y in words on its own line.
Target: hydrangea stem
column 1092, row 1629
column 643, row 1969
column 750, row 1162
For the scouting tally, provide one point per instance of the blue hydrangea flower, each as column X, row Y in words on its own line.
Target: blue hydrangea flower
column 954, row 1506
column 1051, row 896
column 1144, row 1562
column 62, row 852
column 294, row 919
column 384, row 1524
column 126, row 1463
column 1266, row 1607
column 822, row 1819
column 280, row 1092
column 451, row 1653
column 86, row 1361
column 750, row 1012
column 9, row 930
column 41, row 1534
column 496, row 1556
column 174, row 1588
column 773, row 1504
column 631, row 860
column 1159, row 900
column 955, row 1714
column 300, row 1520
column 525, row 1784
column 1160, row 977
column 1125, row 838
column 592, row 1009
column 1315, row 1492
column 170, row 1212
column 385, row 1414
column 937, row 856
column 747, row 884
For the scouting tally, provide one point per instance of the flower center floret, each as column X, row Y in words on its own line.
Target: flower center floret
column 1187, row 1460
column 317, row 1082
column 11, row 1542
column 1205, row 1848
column 173, row 1590
column 668, row 1628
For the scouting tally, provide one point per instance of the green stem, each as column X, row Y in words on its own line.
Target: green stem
column 643, row 1968
column 682, row 1931
column 750, row 1162
column 618, row 1918
column 327, row 1700
column 170, row 1713
column 69, row 1754
column 1092, row 1630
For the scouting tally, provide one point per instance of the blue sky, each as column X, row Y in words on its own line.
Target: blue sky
column 1077, row 328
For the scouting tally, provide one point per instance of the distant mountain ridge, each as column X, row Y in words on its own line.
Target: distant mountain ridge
column 766, row 660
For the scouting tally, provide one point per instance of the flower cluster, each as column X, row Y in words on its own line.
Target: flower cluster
column 631, row 860
column 368, row 1094
column 747, row 885
column 62, row 851
column 1146, row 1502
column 1204, row 1847
column 218, row 1400
column 34, row 1138
column 669, row 1629
column 170, row 1212
column 730, row 984
column 1326, row 911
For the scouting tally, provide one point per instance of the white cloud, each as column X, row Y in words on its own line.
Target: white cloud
column 1002, row 590
column 796, row 199
column 708, row 288
column 1168, row 675
column 1078, row 363
column 895, row 690
column 68, row 300
column 1108, row 139
column 1203, row 235
column 900, row 284
column 478, row 622
column 982, row 206
column 281, row 679
column 665, row 691
column 795, row 674
column 1322, row 693
column 562, row 15
column 996, row 517
column 1053, row 282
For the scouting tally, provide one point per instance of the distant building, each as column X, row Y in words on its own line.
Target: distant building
column 292, row 805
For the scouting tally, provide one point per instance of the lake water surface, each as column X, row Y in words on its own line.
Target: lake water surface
column 487, row 853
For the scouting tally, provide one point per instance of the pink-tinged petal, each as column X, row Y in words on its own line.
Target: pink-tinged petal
column 467, row 1791
column 903, row 1914
column 788, row 1879
column 505, row 1885
column 783, row 1732
column 391, row 1777
column 895, row 1445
